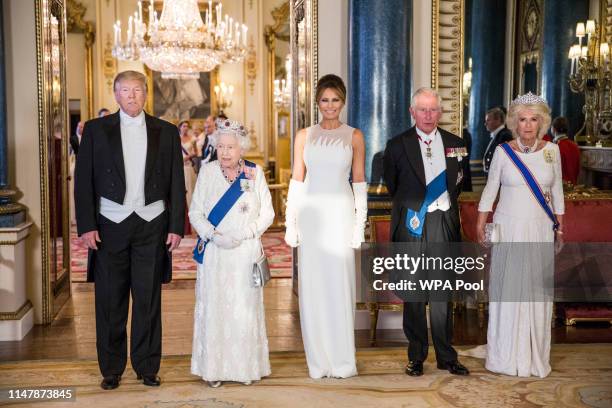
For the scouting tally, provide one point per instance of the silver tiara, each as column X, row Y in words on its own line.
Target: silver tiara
column 528, row 99
column 226, row 125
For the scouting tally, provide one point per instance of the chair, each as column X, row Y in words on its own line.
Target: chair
column 380, row 232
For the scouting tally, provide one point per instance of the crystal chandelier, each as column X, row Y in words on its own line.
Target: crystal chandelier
column 282, row 88
column 179, row 44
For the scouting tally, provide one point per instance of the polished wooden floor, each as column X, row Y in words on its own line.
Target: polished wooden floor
column 72, row 335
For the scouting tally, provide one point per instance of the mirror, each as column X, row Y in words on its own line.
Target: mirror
column 51, row 33
column 279, row 91
column 529, row 76
column 304, row 74
column 76, row 23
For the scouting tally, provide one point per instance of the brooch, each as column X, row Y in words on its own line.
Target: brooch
column 244, row 208
column 246, row 186
column 415, row 222
column 458, row 152
column 548, row 156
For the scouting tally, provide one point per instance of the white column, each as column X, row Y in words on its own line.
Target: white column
column 16, row 313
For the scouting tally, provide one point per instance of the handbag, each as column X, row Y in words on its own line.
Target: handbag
column 492, row 233
column 261, row 271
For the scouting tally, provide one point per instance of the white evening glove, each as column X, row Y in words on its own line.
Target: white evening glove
column 294, row 196
column 225, row 241
column 360, row 195
column 240, row 234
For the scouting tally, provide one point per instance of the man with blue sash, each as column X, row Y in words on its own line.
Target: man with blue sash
column 422, row 169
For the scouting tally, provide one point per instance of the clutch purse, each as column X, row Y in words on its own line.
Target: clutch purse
column 261, row 271
column 492, row 233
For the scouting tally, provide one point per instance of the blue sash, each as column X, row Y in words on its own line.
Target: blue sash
column 532, row 183
column 216, row 215
column 415, row 220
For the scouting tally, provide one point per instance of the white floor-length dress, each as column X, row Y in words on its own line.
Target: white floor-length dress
column 519, row 332
column 229, row 335
column 326, row 263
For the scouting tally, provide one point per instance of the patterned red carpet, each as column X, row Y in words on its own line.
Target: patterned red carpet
column 278, row 253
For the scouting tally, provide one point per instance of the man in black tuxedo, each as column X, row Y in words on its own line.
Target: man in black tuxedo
column 75, row 138
column 130, row 212
column 495, row 122
column 411, row 161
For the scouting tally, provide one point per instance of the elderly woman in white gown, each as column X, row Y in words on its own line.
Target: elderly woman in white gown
column 520, row 309
column 229, row 336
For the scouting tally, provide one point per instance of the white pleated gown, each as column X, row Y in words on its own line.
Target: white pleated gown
column 326, row 263
column 229, row 333
column 519, row 332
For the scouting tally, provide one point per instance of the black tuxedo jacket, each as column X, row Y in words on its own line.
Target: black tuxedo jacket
column 503, row 136
column 100, row 172
column 404, row 174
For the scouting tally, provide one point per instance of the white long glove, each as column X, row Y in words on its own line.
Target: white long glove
column 241, row 234
column 294, row 196
column 225, row 241
column 360, row 195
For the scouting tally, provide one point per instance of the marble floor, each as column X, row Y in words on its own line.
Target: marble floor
column 72, row 334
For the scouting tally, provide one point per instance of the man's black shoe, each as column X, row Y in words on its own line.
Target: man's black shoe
column 110, row 382
column 415, row 368
column 150, row 380
column 454, row 367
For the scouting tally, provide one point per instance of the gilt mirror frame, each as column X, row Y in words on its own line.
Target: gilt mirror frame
column 53, row 125
column 447, row 60
column 272, row 33
column 304, row 66
column 77, row 24
column 304, row 111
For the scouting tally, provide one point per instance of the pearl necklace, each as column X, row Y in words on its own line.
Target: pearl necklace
column 526, row 149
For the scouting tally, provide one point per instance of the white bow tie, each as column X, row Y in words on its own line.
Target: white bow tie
column 127, row 120
column 132, row 122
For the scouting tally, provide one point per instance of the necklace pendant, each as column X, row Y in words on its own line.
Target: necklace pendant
column 428, row 153
column 526, row 150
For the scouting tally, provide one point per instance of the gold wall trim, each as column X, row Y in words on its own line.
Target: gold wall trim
column 14, row 241
column 380, row 205
column 315, row 56
column 447, row 60
column 18, row 314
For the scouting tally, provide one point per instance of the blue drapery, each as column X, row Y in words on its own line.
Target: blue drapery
column 379, row 84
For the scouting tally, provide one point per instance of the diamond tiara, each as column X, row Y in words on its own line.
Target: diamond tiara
column 226, row 125
column 528, row 99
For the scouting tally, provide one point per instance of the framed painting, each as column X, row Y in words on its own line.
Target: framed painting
column 180, row 99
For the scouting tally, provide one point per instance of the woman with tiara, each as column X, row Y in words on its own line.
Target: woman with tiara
column 528, row 219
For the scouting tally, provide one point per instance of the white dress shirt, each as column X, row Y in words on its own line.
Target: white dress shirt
column 134, row 145
column 434, row 165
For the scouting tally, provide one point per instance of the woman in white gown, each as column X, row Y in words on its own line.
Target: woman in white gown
column 519, row 335
column 229, row 336
column 325, row 218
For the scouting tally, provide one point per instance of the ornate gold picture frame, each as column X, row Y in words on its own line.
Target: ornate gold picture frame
column 447, row 60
